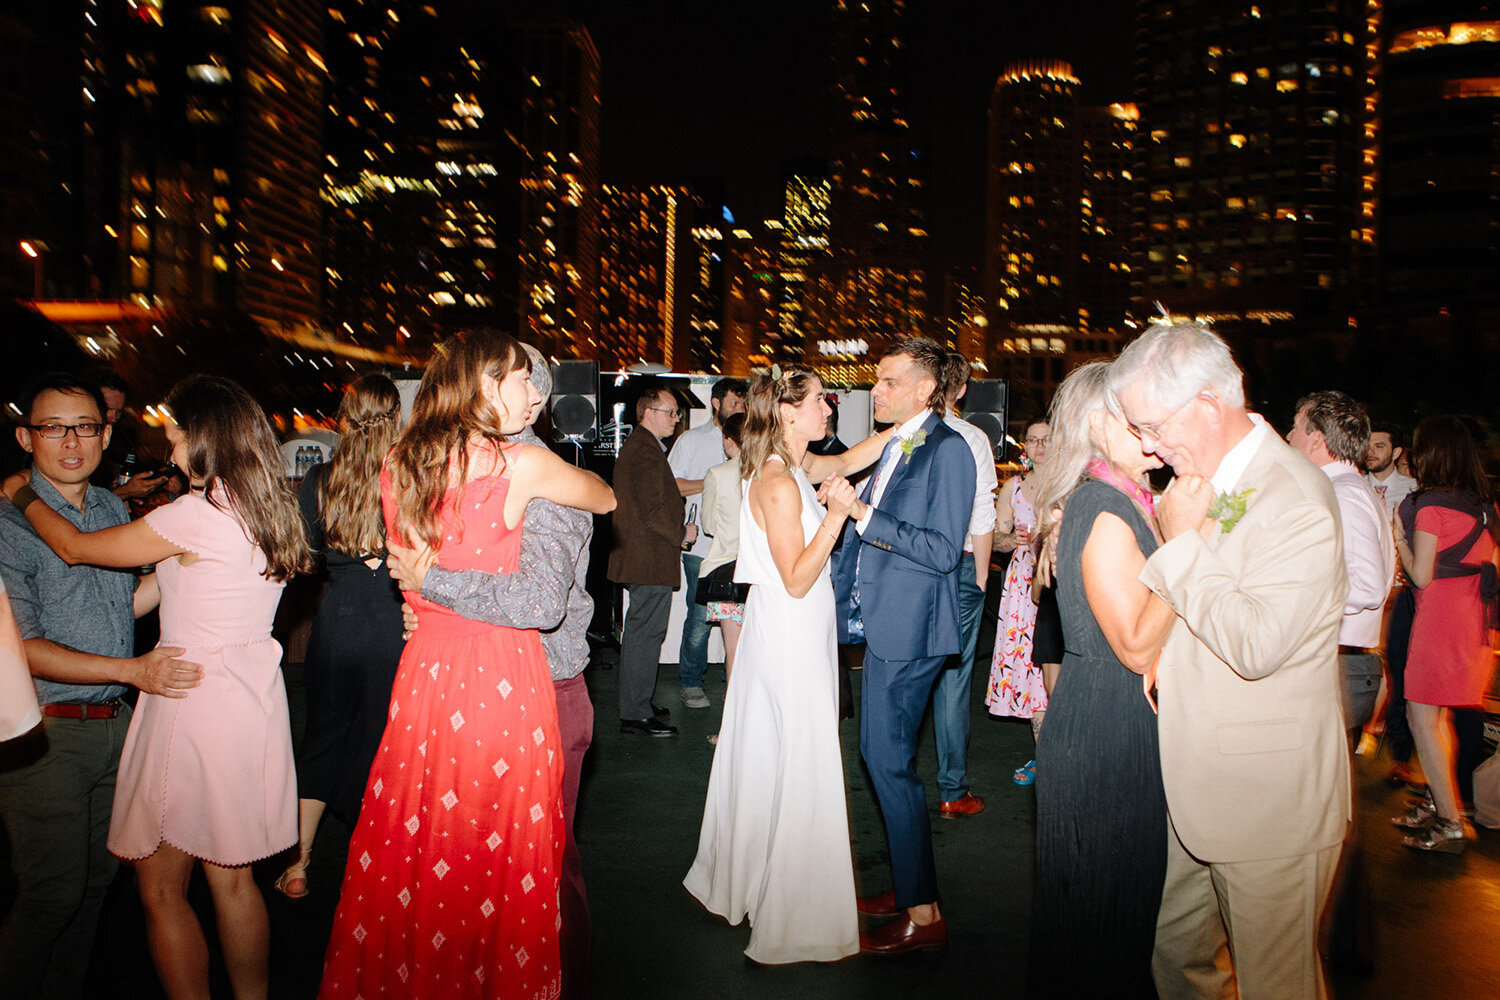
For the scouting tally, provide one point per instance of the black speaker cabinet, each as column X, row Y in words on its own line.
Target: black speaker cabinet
column 575, row 401
column 985, row 405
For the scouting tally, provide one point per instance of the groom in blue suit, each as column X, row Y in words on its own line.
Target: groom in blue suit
column 896, row 574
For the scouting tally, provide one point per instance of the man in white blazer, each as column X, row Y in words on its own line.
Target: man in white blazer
column 1254, row 759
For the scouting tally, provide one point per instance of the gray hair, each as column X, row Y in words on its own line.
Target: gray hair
column 1073, row 447
column 541, row 371
column 1343, row 422
column 1177, row 362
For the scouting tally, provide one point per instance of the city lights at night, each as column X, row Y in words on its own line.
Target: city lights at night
column 663, row 199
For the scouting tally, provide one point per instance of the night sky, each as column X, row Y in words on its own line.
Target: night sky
column 732, row 89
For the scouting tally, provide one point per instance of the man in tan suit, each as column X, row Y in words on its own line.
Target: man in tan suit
column 1253, row 756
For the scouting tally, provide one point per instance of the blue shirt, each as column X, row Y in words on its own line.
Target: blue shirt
column 82, row 607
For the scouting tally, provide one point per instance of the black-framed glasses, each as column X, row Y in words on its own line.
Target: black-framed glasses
column 53, row 432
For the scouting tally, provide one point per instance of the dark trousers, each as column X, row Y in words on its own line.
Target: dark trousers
column 950, row 698
column 640, row 647
column 56, row 789
column 575, row 723
column 893, row 699
column 1398, row 638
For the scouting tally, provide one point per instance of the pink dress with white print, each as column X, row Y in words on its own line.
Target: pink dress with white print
column 451, row 886
column 1015, row 686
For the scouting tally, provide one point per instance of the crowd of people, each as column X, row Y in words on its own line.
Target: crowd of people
column 1207, row 657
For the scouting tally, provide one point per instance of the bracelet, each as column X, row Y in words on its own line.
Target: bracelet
column 23, row 498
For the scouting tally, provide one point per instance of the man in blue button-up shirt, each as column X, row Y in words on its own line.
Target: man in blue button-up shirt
column 77, row 622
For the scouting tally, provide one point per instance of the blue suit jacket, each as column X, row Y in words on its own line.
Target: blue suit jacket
column 908, row 556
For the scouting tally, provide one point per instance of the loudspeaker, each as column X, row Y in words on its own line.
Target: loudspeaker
column 985, row 404
column 575, row 401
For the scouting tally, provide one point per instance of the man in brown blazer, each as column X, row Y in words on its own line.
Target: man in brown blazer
column 648, row 536
column 1253, row 755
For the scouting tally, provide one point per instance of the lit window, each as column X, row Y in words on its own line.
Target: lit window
column 1239, row 78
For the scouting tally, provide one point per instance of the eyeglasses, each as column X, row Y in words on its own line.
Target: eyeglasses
column 53, row 432
column 1153, row 430
column 1034, row 441
column 674, row 414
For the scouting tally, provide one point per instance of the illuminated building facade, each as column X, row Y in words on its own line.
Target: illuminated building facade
column 646, row 275
column 804, row 251
column 872, row 285
column 1060, row 251
column 419, row 174
column 1440, row 224
column 560, row 245
column 964, row 321
column 1252, row 156
column 752, row 300
column 191, row 164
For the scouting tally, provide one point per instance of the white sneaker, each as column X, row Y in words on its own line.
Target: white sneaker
column 694, row 698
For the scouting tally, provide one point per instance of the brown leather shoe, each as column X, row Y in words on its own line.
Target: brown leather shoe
column 883, row 905
column 966, row 806
column 903, row 935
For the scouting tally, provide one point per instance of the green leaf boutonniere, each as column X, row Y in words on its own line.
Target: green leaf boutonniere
column 1228, row 508
column 911, row 444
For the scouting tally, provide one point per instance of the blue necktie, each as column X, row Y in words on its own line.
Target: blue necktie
column 856, row 613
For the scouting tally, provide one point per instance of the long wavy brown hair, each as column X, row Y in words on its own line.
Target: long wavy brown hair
column 231, row 445
column 370, row 422
column 765, row 432
column 447, row 416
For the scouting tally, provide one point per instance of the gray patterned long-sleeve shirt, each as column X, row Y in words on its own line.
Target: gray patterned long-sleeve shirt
column 547, row 590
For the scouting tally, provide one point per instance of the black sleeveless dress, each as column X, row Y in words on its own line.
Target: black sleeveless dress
column 350, row 666
column 1101, row 813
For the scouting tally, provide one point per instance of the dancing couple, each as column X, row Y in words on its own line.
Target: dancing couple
column 776, row 813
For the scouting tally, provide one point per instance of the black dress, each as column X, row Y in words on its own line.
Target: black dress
column 1101, row 813
column 350, row 665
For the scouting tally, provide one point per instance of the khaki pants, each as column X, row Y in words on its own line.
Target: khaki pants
column 1267, row 913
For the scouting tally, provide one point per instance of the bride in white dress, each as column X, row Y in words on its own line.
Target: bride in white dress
column 775, row 839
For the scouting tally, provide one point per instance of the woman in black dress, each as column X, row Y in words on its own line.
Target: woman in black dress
column 1101, row 812
column 356, row 637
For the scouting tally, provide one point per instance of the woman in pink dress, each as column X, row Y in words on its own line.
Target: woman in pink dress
column 451, row 886
column 1447, row 554
column 206, row 777
column 1015, row 687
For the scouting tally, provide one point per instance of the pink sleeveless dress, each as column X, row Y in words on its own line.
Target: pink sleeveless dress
column 1015, row 686
column 211, row 773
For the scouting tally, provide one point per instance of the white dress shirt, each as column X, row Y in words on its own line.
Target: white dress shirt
column 1233, row 465
column 884, row 470
column 1369, row 554
column 694, row 453
column 982, row 520
column 1392, row 489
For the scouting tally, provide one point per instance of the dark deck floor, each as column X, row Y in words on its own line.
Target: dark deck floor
column 1438, row 917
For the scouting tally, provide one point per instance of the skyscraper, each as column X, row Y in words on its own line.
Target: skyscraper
column 1251, row 159
column 559, row 239
column 1440, row 217
column 872, row 285
column 804, row 251
column 646, row 275
column 421, row 172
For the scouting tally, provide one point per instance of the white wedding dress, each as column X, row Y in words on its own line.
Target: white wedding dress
column 775, row 839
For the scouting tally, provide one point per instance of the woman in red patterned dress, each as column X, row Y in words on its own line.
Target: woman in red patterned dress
column 451, row 885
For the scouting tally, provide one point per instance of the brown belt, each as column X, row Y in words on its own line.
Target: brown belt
column 1358, row 650
column 82, row 710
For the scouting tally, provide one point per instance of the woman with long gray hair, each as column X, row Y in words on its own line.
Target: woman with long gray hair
column 1101, row 811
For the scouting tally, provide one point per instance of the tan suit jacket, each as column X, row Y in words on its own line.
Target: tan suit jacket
column 1253, row 752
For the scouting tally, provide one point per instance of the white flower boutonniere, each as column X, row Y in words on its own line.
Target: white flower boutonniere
column 911, row 444
column 1228, row 508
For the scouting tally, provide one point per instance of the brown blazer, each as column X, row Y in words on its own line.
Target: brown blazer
column 649, row 516
column 1253, row 752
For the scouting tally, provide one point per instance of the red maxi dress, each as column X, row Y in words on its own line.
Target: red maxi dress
column 451, row 884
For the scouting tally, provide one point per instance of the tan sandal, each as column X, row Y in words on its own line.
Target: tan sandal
column 293, row 882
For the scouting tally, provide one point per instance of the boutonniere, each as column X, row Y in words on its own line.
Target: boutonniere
column 1228, row 508
column 911, row 444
